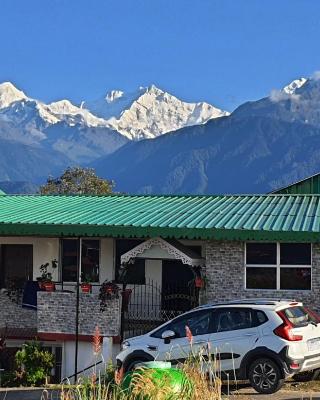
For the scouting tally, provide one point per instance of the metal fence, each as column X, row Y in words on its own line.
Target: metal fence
column 151, row 305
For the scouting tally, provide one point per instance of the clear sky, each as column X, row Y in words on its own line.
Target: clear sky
column 221, row 51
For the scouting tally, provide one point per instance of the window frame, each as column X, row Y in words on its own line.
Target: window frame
column 80, row 272
column 278, row 267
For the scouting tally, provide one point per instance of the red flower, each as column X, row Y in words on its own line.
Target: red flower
column 96, row 342
column 118, row 375
column 189, row 334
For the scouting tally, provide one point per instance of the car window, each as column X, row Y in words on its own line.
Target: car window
column 199, row 323
column 260, row 318
column 299, row 316
column 232, row 319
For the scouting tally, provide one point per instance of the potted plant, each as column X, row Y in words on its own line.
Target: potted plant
column 86, row 286
column 45, row 279
column 108, row 291
column 199, row 282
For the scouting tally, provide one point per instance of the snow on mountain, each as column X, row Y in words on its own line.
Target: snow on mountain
column 150, row 112
column 9, row 94
column 65, row 111
column 294, row 85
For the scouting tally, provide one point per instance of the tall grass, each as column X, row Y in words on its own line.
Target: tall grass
column 201, row 380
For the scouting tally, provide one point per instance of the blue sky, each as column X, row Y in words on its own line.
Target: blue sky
column 224, row 52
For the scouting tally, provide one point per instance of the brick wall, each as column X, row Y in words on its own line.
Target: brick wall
column 12, row 315
column 57, row 314
column 225, row 272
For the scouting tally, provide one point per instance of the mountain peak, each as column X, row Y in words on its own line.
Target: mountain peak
column 9, row 94
column 63, row 107
column 153, row 89
column 113, row 95
column 294, row 85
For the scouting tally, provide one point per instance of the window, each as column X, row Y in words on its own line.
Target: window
column 200, row 323
column 300, row 316
column 278, row 266
column 260, row 317
column 135, row 273
column 90, row 260
column 232, row 319
column 261, row 253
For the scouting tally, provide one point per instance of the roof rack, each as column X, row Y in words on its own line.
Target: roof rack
column 258, row 301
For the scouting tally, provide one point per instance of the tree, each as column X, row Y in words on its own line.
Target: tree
column 77, row 180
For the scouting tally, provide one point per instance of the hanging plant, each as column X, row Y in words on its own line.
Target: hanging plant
column 108, row 291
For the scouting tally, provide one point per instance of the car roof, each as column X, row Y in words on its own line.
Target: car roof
column 266, row 303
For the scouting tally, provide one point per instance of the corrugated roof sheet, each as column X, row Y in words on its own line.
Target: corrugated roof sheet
column 309, row 185
column 258, row 217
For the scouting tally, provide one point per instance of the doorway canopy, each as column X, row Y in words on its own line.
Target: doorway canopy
column 159, row 248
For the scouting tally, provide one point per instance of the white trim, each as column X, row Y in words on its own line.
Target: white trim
column 178, row 254
column 278, row 267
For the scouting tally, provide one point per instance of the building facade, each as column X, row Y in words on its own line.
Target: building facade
column 240, row 247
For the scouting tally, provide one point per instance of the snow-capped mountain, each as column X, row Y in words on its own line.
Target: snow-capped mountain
column 294, row 85
column 261, row 146
column 9, row 94
column 150, row 112
column 59, row 126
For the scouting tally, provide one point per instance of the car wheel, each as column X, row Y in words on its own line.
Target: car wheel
column 307, row 376
column 265, row 376
column 132, row 364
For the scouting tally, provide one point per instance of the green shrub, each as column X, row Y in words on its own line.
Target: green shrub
column 34, row 364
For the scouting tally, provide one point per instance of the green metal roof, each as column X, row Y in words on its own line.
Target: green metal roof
column 310, row 185
column 2, row 192
column 265, row 217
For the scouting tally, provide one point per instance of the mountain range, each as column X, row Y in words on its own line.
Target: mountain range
column 149, row 141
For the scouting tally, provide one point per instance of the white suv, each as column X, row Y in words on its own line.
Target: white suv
column 263, row 340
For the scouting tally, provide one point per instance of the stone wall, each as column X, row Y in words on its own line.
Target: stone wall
column 12, row 315
column 57, row 314
column 225, row 272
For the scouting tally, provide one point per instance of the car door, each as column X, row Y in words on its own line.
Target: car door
column 235, row 333
column 178, row 349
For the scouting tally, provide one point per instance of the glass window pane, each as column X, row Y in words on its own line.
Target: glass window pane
column 261, row 253
column 231, row 320
column 90, row 260
column 295, row 253
column 198, row 322
column 295, row 278
column 261, row 278
column 69, row 260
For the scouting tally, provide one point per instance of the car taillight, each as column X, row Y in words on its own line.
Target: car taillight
column 285, row 330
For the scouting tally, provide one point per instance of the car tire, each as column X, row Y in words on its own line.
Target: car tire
column 132, row 364
column 307, row 376
column 265, row 376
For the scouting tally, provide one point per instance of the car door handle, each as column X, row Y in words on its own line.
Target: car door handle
column 152, row 348
column 249, row 334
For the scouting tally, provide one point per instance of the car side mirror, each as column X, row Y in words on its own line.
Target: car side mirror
column 168, row 335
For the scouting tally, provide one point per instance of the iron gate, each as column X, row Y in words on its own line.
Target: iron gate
column 151, row 305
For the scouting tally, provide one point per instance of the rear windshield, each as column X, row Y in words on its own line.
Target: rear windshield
column 300, row 316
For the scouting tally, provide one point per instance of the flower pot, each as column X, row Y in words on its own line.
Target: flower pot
column 199, row 282
column 86, row 287
column 48, row 286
